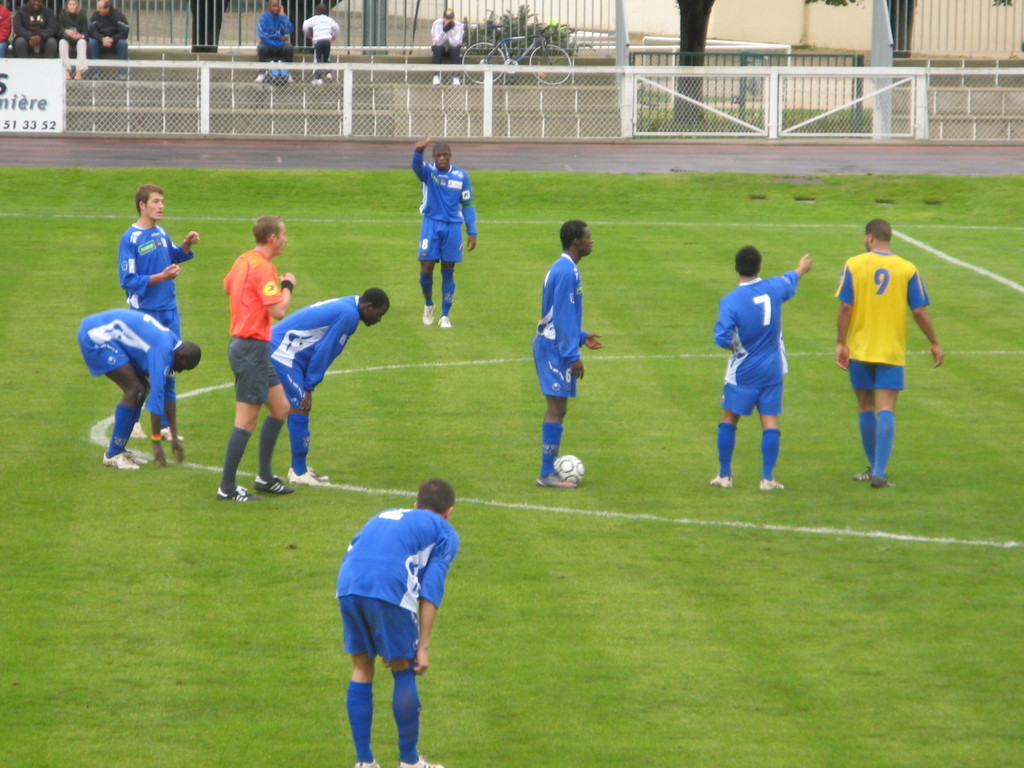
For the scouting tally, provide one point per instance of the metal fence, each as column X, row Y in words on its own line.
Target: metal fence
column 594, row 102
column 958, row 28
column 371, row 26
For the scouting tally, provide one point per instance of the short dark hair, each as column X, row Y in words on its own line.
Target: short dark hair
column 748, row 261
column 880, row 229
column 186, row 356
column 572, row 230
column 321, row 9
column 143, row 193
column 375, row 297
column 441, row 146
column 436, row 495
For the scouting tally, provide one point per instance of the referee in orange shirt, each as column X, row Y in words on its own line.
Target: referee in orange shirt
column 256, row 299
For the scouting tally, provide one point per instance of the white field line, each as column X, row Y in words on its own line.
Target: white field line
column 946, row 257
column 170, row 221
column 99, row 435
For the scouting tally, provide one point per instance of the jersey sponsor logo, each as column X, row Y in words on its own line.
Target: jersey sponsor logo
column 270, row 289
column 454, row 183
column 466, row 196
column 147, row 248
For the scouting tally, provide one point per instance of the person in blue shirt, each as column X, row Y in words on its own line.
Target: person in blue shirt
column 750, row 326
column 447, row 204
column 303, row 346
column 148, row 262
column 389, row 589
column 556, row 347
column 273, row 28
column 140, row 355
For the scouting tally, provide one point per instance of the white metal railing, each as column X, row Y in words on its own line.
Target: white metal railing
column 596, row 102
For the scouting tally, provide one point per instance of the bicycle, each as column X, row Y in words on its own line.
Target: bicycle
column 539, row 53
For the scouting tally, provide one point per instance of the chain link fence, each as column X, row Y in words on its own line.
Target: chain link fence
column 598, row 102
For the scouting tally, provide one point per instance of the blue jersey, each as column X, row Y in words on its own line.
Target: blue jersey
column 271, row 27
column 309, row 340
column 447, row 195
column 400, row 556
column 561, row 309
column 750, row 324
column 148, row 346
column 145, row 252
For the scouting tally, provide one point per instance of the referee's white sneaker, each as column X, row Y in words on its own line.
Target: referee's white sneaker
column 444, row 322
column 428, row 314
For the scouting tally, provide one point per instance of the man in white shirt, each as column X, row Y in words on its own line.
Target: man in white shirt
column 446, row 42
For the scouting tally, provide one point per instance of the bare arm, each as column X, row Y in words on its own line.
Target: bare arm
column 842, row 327
column 924, row 322
column 428, row 611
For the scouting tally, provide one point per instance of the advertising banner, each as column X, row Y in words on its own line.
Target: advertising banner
column 31, row 96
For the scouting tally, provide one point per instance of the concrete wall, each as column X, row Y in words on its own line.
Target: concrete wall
column 792, row 22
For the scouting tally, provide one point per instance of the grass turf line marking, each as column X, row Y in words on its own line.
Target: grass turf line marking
column 946, row 257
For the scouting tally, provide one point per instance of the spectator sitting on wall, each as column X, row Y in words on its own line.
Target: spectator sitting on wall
column 5, row 29
column 35, row 31
column 108, row 32
column 73, row 25
column 273, row 28
column 446, row 36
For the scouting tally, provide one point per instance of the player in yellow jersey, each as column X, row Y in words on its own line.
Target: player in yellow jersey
column 875, row 292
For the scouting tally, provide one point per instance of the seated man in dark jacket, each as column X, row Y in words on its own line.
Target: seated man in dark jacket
column 108, row 32
column 35, row 31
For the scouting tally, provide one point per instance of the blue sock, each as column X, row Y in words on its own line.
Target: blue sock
column 883, row 447
column 298, row 435
column 405, row 704
column 726, row 445
column 124, row 422
column 427, row 286
column 447, row 290
column 868, row 424
column 771, row 440
column 551, row 443
column 360, row 718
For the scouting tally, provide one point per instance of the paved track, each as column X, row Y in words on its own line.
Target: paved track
column 618, row 157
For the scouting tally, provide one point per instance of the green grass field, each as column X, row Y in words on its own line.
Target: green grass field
column 644, row 619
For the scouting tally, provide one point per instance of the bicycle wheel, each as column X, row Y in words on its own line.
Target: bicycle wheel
column 551, row 56
column 484, row 53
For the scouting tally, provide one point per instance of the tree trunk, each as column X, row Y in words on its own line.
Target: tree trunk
column 693, row 37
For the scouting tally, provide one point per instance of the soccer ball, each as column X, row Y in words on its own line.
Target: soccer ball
column 569, row 468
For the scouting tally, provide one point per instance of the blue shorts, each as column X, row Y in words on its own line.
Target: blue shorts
column 554, row 372
column 377, row 628
column 440, row 241
column 100, row 358
column 875, row 375
column 743, row 400
column 293, row 383
column 171, row 319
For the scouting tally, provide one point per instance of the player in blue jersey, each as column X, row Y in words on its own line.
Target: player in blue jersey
column 556, row 346
column 447, row 204
column 750, row 325
column 303, row 346
column 390, row 588
column 141, row 356
column 875, row 292
column 148, row 263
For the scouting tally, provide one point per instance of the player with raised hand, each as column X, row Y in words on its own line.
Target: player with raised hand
column 447, row 204
column 750, row 326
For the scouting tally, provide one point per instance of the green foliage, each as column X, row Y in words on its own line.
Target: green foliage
column 523, row 23
column 645, row 617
